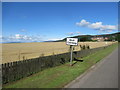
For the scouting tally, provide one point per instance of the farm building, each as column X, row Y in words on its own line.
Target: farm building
column 99, row 38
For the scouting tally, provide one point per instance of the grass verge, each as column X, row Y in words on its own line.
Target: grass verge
column 59, row 76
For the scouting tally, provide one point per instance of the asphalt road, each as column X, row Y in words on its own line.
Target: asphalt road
column 102, row 75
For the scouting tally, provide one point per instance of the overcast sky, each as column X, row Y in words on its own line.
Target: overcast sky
column 38, row 21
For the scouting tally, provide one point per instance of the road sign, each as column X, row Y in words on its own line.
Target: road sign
column 72, row 41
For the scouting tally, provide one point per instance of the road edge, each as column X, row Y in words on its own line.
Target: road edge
column 90, row 69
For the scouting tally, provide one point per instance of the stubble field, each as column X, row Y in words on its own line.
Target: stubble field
column 19, row 51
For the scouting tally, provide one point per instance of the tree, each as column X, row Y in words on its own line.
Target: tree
column 85, row 38
column 117, row 38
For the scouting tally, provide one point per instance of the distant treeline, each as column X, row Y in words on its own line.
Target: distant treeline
column 83, row 38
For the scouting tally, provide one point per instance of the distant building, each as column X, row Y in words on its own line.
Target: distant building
column 106, row 38
column 99, row 38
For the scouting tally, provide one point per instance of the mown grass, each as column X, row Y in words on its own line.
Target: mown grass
column 59, row 76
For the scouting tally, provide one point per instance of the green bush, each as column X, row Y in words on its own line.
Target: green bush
column 88, row 47
column 84, row 47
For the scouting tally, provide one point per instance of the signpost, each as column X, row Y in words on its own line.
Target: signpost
column 72, row 42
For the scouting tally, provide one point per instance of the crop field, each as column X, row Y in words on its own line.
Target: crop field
column 20, row 51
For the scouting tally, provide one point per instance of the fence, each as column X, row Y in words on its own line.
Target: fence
column 16, row 70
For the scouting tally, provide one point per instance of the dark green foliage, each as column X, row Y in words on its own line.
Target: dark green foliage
column 83, row 47
column 114, row 37
column 111, row 38
column 118, row 38
column 88, row 47
column 85, row 38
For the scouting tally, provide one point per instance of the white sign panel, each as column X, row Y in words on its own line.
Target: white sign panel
column 72, row 41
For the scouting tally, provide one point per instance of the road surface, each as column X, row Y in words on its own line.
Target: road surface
column 102, row 75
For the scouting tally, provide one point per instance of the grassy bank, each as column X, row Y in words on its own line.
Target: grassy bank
column 59, row 76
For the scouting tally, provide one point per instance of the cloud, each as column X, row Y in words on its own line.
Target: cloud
column 96, row 26
column 73, row 33
column 78, row 32
column 70, row 33
column 23, row 30
column 26, row 38
column 54, row 39
column 21, row 38
column 83, row 23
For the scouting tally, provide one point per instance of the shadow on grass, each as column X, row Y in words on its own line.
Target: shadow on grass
column 77, row 60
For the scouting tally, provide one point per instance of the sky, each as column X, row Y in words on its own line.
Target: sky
column 44, row 21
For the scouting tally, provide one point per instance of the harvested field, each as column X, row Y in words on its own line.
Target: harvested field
column 19, row 51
